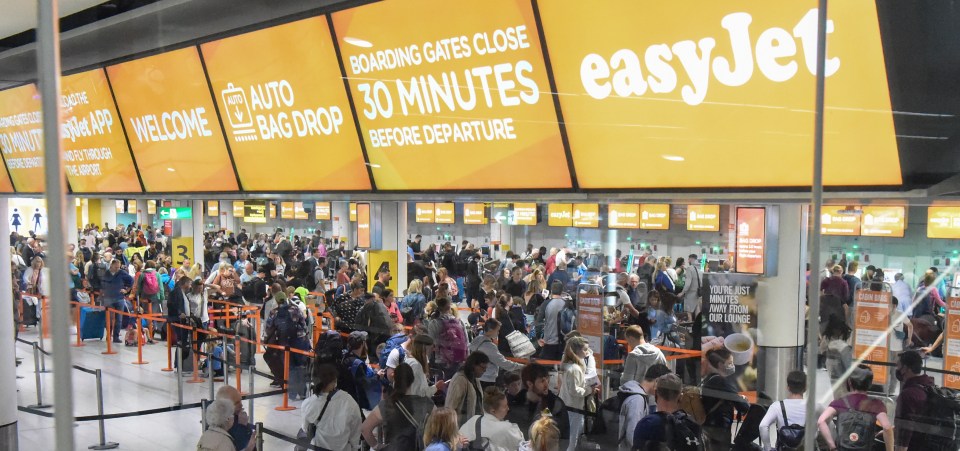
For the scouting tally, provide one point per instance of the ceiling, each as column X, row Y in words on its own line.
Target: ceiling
column 921, row 47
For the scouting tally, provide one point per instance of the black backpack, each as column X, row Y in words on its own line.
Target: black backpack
column 680, row 433
column 940, row 422
column 855, row 429
column 789, row 436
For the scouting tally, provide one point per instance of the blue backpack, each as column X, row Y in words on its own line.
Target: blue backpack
column 394, row 342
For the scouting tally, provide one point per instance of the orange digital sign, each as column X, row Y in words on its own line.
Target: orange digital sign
column 474, row 213
column 286, row 210
column 353, row 211
column 883, row 221
column 152, row 207
column 469, row 83
column 21, row 139
column 655, row 216
column 525, row 213
column 425, row 212
column 281, row 94
column 586, row 215
column 96, row 155
column 943, row 222
column 834, row 221
column 719, row 89
column 238, row 209
column 273, row 210
column 703, row 218
column 213, row 208
column 445, row 213
column 751, row 232
column 121, row 206
column 363, row 225
column 132, row 206
column 623, row 216
column 299, row 212
column 560, row 215
column 323, row 211
column 172, row 123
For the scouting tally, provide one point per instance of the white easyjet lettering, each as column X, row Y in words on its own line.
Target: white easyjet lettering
column 772, row 54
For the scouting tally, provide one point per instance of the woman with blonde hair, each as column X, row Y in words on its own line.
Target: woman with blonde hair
column 544, row 436
column 492, row 423
column 533, row 297
column 443, row 276
column 413, row 303
column 440, row 433
column 574, row 390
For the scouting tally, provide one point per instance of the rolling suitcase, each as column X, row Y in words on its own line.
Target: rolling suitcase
column 93, row 323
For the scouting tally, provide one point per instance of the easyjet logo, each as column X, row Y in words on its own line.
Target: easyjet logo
column 777, row 53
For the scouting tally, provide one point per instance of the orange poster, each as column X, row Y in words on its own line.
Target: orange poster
column 655, row 216
column 281, row 94
column 703, row 218
column 951, row 345
column 751, row 231
column 560, row 215
column 172, row 123
column 883, row 221
column 872, row 318
column 466, row 90
column 586, row 215
column 95, row 151
column 724, row 90
column 21, row 139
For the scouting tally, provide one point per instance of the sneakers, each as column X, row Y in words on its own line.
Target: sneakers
column 117, row 340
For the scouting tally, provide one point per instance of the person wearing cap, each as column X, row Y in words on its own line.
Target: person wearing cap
column 363, row 383
column 374, row 318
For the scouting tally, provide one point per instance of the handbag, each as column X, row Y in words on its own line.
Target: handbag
column 789, row 436
column 520, row 345
column 311, row 431
column 479, row 443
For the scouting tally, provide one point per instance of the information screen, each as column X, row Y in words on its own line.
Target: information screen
column 425, row 213
column 466, row 90
column 363, row 225
column 299, row 212
column 286, row 210
column 445, row 213
column 323, row 211
column 943, row 222
column 703, row 218
column 525, row 213
column 586, row 215
column 21, row 139
column 281, row 94
column 655, row 216
column 213, row 208
column 474, row 213
column 833, row 222
column 560, row 215
column 623, row 216
column 724, row 90
column 751, row 230
column 883, row 221
column 172, row 124
column 238, row 209
column 96, row 155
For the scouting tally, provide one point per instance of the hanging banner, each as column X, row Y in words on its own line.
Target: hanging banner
column 870, row 338
column 730, row 321
column 951, row 349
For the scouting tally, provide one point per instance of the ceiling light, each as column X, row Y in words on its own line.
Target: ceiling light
column 357, row 42
column 171, row 169
column 373, row 165
column 673, row 157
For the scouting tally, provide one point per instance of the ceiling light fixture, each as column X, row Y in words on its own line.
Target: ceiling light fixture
column 673, row 157
column 373, row 165
column 171, row 169
column 357, row 42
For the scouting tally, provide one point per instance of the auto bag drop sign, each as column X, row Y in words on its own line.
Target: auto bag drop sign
column 172, row 124
column 723, row 90
column 466, row 90
column 281, row 95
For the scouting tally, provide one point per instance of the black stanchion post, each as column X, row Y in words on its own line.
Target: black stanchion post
column 104, row 444
column 203, row 415
column 43, row 358
column 259, row 436
column 251, row 389
column 179, row 375
column 36, row 372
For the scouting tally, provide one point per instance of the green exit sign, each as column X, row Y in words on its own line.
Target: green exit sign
column 176, row 213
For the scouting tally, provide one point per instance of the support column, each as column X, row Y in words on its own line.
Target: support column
column 781, row 304
column 340, row 212
column 393, row 229
column 197, row 223
column 8, row 373
column 71, row 222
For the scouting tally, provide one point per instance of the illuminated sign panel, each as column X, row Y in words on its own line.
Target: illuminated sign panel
column 353, row 211
column 151, row 207
column 525, row 213
column 238, row 209
column 445, row 213
column 21, row 139
column 213, row 208
column 833, row 222
column 132, row 206
column 883, row 221
column 724, row 90
column 751, row 231
column 96, row 156
column 560, row 215
column 943, row 222
column 299, row 212
column 586, row 215
column 425, row 212
column 469, row 83
column 281, row 94
column 474, row 213
column 255, row 211
column 363, row 225
column 623, row 216
column 172, row 124
column 121, row 206
column 286, row 210
column 703, row 218
column 323, row 211
column 655, row 216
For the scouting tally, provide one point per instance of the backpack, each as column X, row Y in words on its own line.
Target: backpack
column 691, row 402
column 855, row 429
column 941, row 419
column 566, row 320
column 452, row 346
column 150, row 283
column 329, row 349
column 392, row 343
column 284, row 326
column 352, row 383
column 405, row 441
column 680, row 433
column 790, row 435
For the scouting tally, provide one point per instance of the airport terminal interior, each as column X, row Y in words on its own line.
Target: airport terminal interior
column 480, row 225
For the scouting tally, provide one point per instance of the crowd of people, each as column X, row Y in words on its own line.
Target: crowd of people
column 432, row 366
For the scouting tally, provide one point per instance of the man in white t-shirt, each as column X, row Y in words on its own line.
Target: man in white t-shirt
column 795, row 407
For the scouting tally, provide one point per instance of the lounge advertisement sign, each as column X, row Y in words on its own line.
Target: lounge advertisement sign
column 729, row 306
